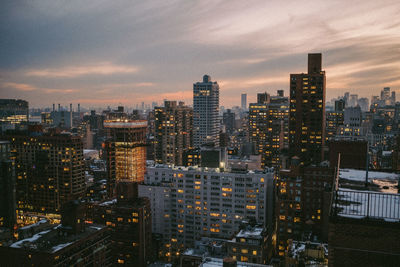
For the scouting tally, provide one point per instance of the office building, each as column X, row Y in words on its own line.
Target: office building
column 173, row 132
column 49, row 170
column 125, row 151
column 352, row 117
column 307, row 112
column 268, row 121
column 334, row 119
column 206, row 112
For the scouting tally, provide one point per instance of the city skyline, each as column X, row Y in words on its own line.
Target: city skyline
column 104, row 54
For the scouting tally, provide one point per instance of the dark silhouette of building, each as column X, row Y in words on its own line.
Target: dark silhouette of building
column 228, row 119
column 7, row 187
column 353, row 154
column 307, row 112
column 129, row 220
column 72, row 243
column 14, row 114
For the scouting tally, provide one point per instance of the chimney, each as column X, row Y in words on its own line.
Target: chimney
column 79, row 108
column 59, row 107
column 54, row 107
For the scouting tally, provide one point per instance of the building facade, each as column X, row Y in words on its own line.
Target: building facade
column 125, row 151
column 173, row 132
column 198, row 202
column 206, row 112
column 307, row 112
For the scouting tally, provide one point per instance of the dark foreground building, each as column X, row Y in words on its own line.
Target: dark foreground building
column 129, row 220
column 72, row 243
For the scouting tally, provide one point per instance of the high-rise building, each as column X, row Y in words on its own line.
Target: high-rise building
column 129, row 219
column 267, row 126
column 206, row 112
column 353, row 100
column 228, row 118
column 173, row 132
column 7, row 187
column 363, row 103
column 193, row 202
column 307, row 112
column 14, row 114
column 244, row 102
column 340, row 105
column 125, row 151
column 49, row 170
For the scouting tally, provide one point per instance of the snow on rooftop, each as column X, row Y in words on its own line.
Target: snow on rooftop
column 32, row 239
column 359, row 175
column 61, row 246
column 253, row 232
column 113, row 201
column 33, row 225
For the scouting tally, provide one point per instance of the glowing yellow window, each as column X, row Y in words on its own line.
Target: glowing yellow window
column 255, row 252
column 245, row 250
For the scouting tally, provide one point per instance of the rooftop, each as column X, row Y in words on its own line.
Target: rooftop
column 379, row 199
column 251, row 232
column 51, row 241
column 214, row 262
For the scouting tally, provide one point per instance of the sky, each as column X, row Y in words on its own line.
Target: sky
column 103, row 52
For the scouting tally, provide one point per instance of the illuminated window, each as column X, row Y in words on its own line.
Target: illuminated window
column 255, row 252
column 245, row 250
column 250, row 207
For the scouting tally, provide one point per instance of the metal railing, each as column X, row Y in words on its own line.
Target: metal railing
column 364, row 204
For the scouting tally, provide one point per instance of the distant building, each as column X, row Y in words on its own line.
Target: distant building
column 14, row 114
column 206, row 112
column 228, row 119
column 244, row 101
column 125, row 151
column 307, row 112
column 340, row 105
column 173, row 132
column 364, row 104
column 352, row 117
column 334, row 119
column 267, row 127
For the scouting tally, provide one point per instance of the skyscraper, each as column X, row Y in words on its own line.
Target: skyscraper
column 126, row 151
column 173, row 132
column 206, row 112
column 7, row 187
column 244, row 101
column 307, row 112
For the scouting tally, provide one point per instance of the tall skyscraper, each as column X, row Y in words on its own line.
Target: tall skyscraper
column 173, row 132
column 126, row 151
column 206, row 112
column 244, row 101
column 307, row 112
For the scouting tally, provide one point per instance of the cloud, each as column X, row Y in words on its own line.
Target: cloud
column 19, row 86
column 102, row 68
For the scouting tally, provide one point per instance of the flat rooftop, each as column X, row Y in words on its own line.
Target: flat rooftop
column 51, row 241
column 379, row 200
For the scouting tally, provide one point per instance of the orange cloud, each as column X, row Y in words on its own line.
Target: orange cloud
column 102, row 68
column 20, row 86
column 62, row 91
